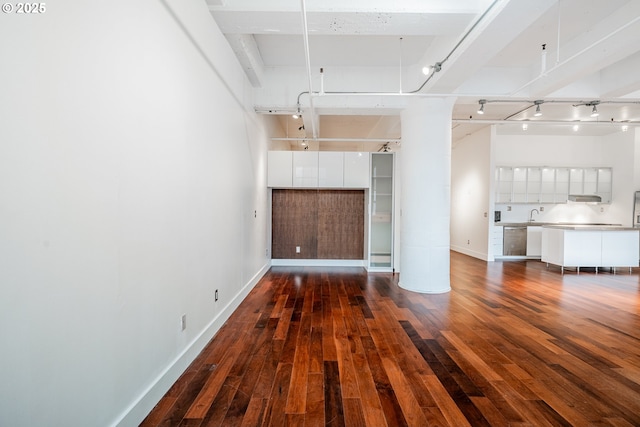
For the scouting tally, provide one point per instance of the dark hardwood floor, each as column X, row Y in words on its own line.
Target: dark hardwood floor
column 513, row 344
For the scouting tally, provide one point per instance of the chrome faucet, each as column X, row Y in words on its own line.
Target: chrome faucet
column 531, row 214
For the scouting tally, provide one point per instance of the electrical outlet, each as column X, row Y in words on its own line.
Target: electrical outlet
column 215, row 295
column 183, row 322
column 297, row 249
column 468, row 242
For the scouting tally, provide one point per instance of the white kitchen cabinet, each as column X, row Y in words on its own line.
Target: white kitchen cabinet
column 618, row 248
column 305, row 169
column 356, row 170
column 330, row 169
column 590, row 247
column 504, row 184
column 519, row 185
column 590, row 181
column 582, row 248
column 534, row 241
column 561, row 185
column 604, row 187
column 547, row 185
column 280, row 169
column 534, row 181
column 497, row 241
column 576, row 177
column 550, row 184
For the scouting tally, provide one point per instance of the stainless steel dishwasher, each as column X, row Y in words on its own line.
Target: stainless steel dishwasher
column 515, row 241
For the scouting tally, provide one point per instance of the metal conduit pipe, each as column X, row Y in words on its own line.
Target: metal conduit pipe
column 577, row 54
column 437, row 67
column 305, row 33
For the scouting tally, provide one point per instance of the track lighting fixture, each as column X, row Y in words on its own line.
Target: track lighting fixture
column 537, row 103
column 432, row 68
column 526, row 104
column 297, row 114
column 481, row 109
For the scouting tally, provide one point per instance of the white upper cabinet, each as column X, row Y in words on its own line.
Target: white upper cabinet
column 280, row 169
column 604, row 186
column 318, row 169
column 305, row 169
column 504, row 184
column 550, row 184
column 356, row 170
column 330, row 169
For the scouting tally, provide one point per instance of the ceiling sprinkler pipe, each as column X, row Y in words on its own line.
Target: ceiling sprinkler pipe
column 305, row 32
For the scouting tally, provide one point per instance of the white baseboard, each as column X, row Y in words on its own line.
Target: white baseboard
column 141, row 407
column 317, row 263
column 475, row 254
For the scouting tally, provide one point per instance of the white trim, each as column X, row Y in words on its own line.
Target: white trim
column 474, row 254
column 140, row 408
column 317, row 262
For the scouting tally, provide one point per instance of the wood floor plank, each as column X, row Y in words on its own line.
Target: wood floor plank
column 333, row 409
column 512, row 344
column 314, row 416
column 297, row 398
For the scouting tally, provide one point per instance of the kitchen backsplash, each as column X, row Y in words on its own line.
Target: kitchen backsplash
column 565, row 212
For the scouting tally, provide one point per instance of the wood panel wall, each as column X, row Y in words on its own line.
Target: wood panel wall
column 326, row 224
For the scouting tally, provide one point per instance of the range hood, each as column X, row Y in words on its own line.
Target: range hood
column 586, row 198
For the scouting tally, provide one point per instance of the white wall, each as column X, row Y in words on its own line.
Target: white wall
column 132, row 185
column 470, row 194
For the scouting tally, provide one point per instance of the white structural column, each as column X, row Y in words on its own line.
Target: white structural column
column 426, row 194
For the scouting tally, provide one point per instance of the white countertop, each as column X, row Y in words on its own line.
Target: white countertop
column 588, row 227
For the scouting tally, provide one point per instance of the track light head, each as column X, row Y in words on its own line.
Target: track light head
column 537, row 103
column 481, row 108
column 594, row 111
column 432, row 68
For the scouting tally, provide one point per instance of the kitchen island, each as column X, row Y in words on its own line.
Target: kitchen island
column 590, row 246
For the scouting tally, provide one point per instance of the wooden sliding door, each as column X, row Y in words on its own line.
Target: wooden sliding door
column 324, row 224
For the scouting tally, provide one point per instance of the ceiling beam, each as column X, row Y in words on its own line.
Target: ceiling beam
column 610, row 41
column 500, row 27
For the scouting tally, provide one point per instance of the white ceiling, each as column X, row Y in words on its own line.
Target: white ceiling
column 375, row 49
